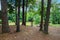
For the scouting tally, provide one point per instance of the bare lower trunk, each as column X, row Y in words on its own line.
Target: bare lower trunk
column 16, row 11
column 5, row 26
column 18, row 17
column 47, row 17
column 26, row 11
column 42, row 10
column 23, row 15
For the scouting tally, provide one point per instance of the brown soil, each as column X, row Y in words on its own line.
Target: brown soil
column 31, row 33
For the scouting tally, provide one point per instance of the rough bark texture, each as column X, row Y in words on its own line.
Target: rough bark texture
column 23, row 14
column 5, row 26
column 42, row 10
column 18, row 17
column 47, row 17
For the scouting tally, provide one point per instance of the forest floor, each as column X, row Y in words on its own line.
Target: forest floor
column 31, row 33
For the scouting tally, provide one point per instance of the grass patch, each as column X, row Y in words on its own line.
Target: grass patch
column 27, row 23
column 54, row 25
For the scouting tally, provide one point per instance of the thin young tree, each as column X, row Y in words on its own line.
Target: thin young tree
column 5, row 26
column 47, row 17
column 18, row 16
column 42, row 12
column 26, row 4
column 16, row 11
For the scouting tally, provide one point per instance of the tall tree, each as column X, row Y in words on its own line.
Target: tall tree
column 5, row 26
column 16, row 11
column 23, row 14
column 47, row 17
column 26, row 4
column 18, row 16
column 42, row 11
column 0, row 14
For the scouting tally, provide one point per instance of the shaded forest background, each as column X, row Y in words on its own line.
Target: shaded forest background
column 33, row 11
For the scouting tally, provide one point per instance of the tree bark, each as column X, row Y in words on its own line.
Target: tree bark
column 26, row 11
column 23, row 14
column 16, row 11
column 5, row 26
column 42, row 11
column 47, row 17
column 18, row 17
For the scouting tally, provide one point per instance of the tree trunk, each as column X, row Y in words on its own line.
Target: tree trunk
column 23, row 15
column 5, row 26
column 16, row 11
column 47, row 17
column 18, row 17
column 26, row 11
column 42, row 11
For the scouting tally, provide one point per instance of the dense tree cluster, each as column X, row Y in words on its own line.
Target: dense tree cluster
column 26, row 10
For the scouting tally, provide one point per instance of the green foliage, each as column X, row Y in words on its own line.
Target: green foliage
column 34, row 9
column 55, row 14
column 37, row 19
column 0, row 21
column 11, row 17
column 31, row 1
column 10, row 8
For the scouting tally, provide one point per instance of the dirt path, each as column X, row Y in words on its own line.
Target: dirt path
column 31, row 33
